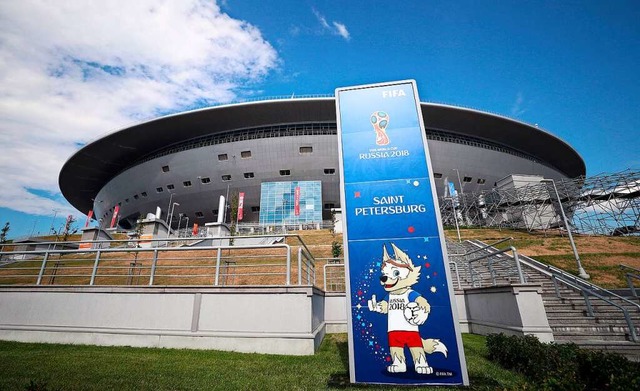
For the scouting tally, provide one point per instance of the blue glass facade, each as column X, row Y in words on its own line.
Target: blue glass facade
column 278, row 202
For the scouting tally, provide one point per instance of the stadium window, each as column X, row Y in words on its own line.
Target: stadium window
column 215, row 212
column 144, row 194
column 306, row 150
column 285, row 172
column 226, row 178
column 199, row 214
column 135, row 196
column 186, row 183
column 248, row 175
column 245, row 154
column 329, row 205
column 170, row 187
column 255, row 209
column 329, row 171
column 165, row 168
column 159, row 189
column 223, row 156
column 466, row 179
column 205, row 180
column 437, row 175
column 481, row 181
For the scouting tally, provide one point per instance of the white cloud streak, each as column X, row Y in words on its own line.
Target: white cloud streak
column 517, row 109
column 335, row 28
column 73, row 70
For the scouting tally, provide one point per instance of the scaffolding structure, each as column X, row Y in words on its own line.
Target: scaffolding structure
column 605, row 204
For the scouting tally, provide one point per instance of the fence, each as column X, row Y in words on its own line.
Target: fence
column 125, row 263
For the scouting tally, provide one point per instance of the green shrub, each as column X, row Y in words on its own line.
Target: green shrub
column 563, row 367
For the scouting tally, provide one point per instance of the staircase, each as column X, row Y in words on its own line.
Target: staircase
column 603, row 326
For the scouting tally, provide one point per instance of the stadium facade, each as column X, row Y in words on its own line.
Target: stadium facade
column 192, row 158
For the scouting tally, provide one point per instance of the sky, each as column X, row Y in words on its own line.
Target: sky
column 73, row 71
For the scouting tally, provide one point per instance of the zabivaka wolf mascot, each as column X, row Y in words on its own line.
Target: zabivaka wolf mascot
column 406, row 309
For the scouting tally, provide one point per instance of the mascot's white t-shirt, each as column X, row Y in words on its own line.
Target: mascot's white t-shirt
column 397, row 304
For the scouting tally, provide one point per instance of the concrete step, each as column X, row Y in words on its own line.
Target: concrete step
column 578, row 336
column 630, row 350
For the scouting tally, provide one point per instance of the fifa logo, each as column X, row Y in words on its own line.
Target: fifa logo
column 379, row 121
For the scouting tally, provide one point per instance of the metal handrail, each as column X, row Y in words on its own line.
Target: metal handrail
column 585, row 294
column 493, row 276
column 580, row 281
column 492, row 245
column 331, row 265
column 629, row 277
column 94, row 256
column 310, row 265
column 584, row 287
column 623, row 266
column 455, row 266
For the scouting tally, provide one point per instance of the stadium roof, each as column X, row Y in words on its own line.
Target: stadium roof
column 90, row 168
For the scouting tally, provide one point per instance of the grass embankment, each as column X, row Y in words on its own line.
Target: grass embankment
column 600, row 256
column 71, row 367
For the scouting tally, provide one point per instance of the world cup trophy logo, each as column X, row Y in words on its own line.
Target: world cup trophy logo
column 380, row 120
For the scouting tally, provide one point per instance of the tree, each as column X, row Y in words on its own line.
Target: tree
column 67, row 230
column 234, row 211
column 4, row 232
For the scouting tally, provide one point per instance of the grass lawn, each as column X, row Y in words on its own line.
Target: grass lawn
column 73, row 367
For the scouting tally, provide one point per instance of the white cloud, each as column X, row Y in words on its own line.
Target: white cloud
column 341, row 29
column 73, row 70
column 517, row 109
column 336, row 28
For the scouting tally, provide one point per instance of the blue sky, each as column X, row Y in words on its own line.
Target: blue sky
column 69, row 76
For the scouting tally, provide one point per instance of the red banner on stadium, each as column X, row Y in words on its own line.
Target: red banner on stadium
column 115, row 216
column 89, row 216
column 240, row 206
column 296, row 201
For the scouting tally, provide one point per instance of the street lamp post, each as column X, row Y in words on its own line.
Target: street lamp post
column 180, row 215
column 462, row 203
column 455, row 218
column 581, row 272
column 459, row 182
column 168, row 207
column 171, row 215
column 55, row 213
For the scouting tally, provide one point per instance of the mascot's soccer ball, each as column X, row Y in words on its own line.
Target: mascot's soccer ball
column 380, row 120
column 408, row 315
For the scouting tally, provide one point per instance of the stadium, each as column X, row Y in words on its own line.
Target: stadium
column 273, row 146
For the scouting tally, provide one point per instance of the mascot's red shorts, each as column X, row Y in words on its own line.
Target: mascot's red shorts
column 397, row 339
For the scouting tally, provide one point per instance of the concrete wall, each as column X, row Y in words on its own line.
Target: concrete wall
column 515, row 310
column 280, row 320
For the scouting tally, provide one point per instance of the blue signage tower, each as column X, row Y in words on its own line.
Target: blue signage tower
column 403, row 324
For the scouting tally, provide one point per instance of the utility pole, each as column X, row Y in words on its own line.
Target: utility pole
column 581, row 272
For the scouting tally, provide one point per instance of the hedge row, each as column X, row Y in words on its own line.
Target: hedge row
column 563, row 367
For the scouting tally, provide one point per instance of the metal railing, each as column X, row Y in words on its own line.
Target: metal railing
column 496, row 265
column 454, row 267
column 334, row 276
column 586, row 290
column 631, row 273
column 306, row 268
column 126, row 263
